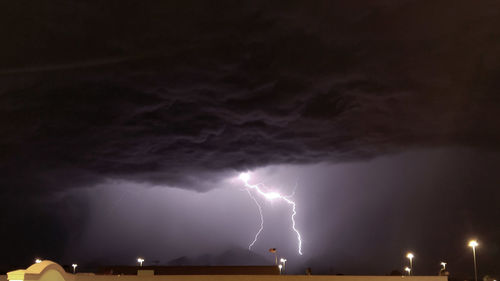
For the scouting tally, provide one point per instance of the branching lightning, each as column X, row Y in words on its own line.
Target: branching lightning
column 261, row 219
column 245, row 177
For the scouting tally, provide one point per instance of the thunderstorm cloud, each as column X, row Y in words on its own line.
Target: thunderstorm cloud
column 170, row 92
column 187, row 93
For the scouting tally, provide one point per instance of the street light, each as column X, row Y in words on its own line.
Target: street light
column 283, row 261
column 407, row 269
column 410, row 256
column 74, row 267
column 275, row 252
column 140, row 261
column 280, row 266
column 38, row 260
column 443, row 264
column 474, row 244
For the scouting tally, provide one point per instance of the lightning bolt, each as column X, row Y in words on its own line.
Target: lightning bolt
column 261, row 219
column 245, row 177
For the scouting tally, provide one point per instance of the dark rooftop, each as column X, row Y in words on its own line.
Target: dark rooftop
column 191, row 270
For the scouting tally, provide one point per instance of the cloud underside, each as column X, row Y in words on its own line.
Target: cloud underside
column 167, row 94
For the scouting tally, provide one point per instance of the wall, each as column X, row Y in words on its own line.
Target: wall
column 51, row 271
column 255, row 278
column 52, row 275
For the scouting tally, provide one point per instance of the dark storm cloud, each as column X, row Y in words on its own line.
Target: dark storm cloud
column 184, row 93
column 170, row 92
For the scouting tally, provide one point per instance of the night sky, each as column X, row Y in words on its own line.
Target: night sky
column 124, row 126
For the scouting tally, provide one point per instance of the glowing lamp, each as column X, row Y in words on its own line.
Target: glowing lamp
column 473, row 243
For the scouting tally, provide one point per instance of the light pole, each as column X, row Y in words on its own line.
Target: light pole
column 443, row 264
column 408, row 270
column 280, row 266
column 140, row 261
column 275, row 252
column 474, row 244
column 74, row 267
column 410, row 256
column 283, row 261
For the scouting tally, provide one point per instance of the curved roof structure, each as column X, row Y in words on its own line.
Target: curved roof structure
column 45, row 270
